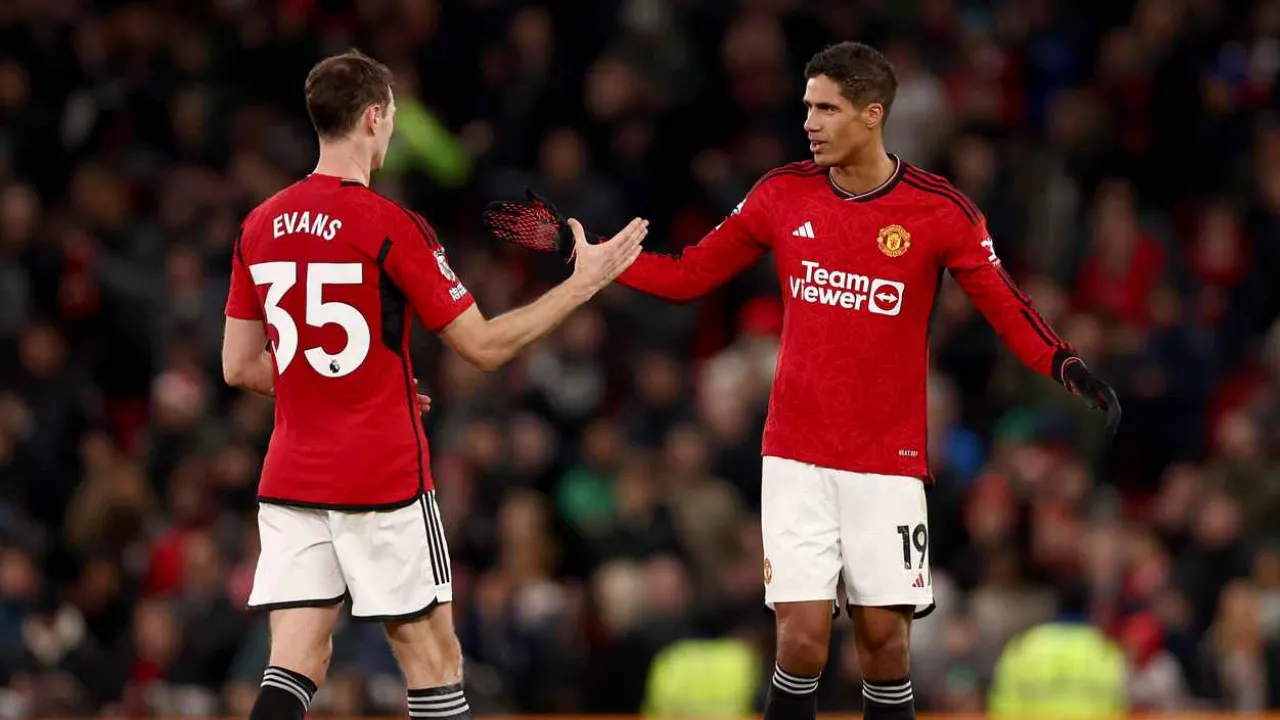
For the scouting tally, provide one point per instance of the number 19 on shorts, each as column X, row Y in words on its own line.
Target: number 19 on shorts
column 917, row 539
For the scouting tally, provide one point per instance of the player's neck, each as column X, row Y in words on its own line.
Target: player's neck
column 343, row 160
column 866, row 171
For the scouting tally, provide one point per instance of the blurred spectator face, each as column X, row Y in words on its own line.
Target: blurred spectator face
column 533, row 443
column 19, row 217
column 1114, row 225
column 1219, row 521
column 668, row 585
column 619, row 589
column 190, row 113
column 43, row 352
column 482, row 444
column 1238, row 437
column 235, row 466
column 20, row 580
column 975, row 164
column 1237, row 622
column 613, row 89
column 532, row 37
column 187, row 491
column 659, row 380
column 635, row 492
column 990, row 515
column 1266, row 568
column 155, row 632
column 100, row 197
column 687, row 452
column 15, row 88
column 100, row 582
column 583, row 333
column 1179, row 491
column 1086, row 334
column 203, row 570
column 563, row 157
column 602, row 445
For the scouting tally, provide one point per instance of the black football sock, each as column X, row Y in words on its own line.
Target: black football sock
column 439, row 703
column 888, row 700
column 791, row 697
column 284, row 695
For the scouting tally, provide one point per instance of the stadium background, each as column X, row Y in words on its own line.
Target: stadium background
column 601, row 493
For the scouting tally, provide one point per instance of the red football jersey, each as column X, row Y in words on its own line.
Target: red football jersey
column 859, row 274
column 331, row 267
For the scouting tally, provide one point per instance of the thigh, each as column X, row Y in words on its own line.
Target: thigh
column 395, row 562
column 297, row 566
column 884, row 528
column 801, row 533
column 302, row 641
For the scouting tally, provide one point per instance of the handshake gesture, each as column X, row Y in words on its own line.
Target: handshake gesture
column 535, row 224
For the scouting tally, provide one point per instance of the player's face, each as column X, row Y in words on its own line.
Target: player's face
column 837, row 129
column 384, row 124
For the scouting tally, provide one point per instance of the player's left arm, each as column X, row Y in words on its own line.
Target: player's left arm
column 246, row 364
column 971, row 258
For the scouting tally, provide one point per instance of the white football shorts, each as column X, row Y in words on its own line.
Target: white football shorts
column 820, row 523
column 394, row 564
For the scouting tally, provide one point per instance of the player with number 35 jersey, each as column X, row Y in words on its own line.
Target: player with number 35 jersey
column 333, row 268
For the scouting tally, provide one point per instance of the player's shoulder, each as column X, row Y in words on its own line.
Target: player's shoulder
column 935, row 191
column 390, row 215
column 791, row 173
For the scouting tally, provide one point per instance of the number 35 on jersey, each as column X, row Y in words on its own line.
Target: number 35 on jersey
column 280, row 277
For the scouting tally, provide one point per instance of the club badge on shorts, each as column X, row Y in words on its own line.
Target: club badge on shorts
column 768, row 571
column 894, row 240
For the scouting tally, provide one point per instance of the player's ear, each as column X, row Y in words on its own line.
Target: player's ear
column 873, row 114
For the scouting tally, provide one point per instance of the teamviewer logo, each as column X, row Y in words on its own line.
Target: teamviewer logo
column 886, row 297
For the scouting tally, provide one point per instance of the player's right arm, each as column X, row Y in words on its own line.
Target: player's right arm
column 490, row 343
column 246, row 364
column 733, row 246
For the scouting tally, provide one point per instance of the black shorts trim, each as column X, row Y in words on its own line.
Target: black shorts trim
column 915, row 614
column 835, row 607
column 406, row 617
column 291, row 604
column 342, row 508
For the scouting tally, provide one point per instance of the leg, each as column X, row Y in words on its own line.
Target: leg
column 431, row 659
column 397, row 564
column 801, row 530
column 883, row 637
column 301, row 645
column 885, row 530
column 299, row 582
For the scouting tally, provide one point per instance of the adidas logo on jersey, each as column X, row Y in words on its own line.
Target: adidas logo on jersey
column 919, row 583
column 804, row 231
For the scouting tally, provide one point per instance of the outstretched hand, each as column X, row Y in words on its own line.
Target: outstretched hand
column 597, row 265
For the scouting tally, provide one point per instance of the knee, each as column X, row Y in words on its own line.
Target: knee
column 801, row 651
column 888, row 651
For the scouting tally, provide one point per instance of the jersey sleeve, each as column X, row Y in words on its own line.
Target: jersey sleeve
column 419, row 266
column 242, row 297
column 971, row 258
column 734, row 245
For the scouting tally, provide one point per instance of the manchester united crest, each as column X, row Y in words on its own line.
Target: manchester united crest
column 768, row 571
column 894, row 240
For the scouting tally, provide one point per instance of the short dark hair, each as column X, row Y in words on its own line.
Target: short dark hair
column 339, row 88
column 863, row 73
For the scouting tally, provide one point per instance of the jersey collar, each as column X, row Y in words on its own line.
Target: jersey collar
column 870, row 195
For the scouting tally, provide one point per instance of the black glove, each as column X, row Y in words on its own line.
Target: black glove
column 533, row 223
column 1071, row 371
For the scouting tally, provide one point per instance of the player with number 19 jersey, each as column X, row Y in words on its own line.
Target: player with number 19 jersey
column 333, row 267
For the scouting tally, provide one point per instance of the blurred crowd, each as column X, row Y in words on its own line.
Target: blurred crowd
column 600, row 494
